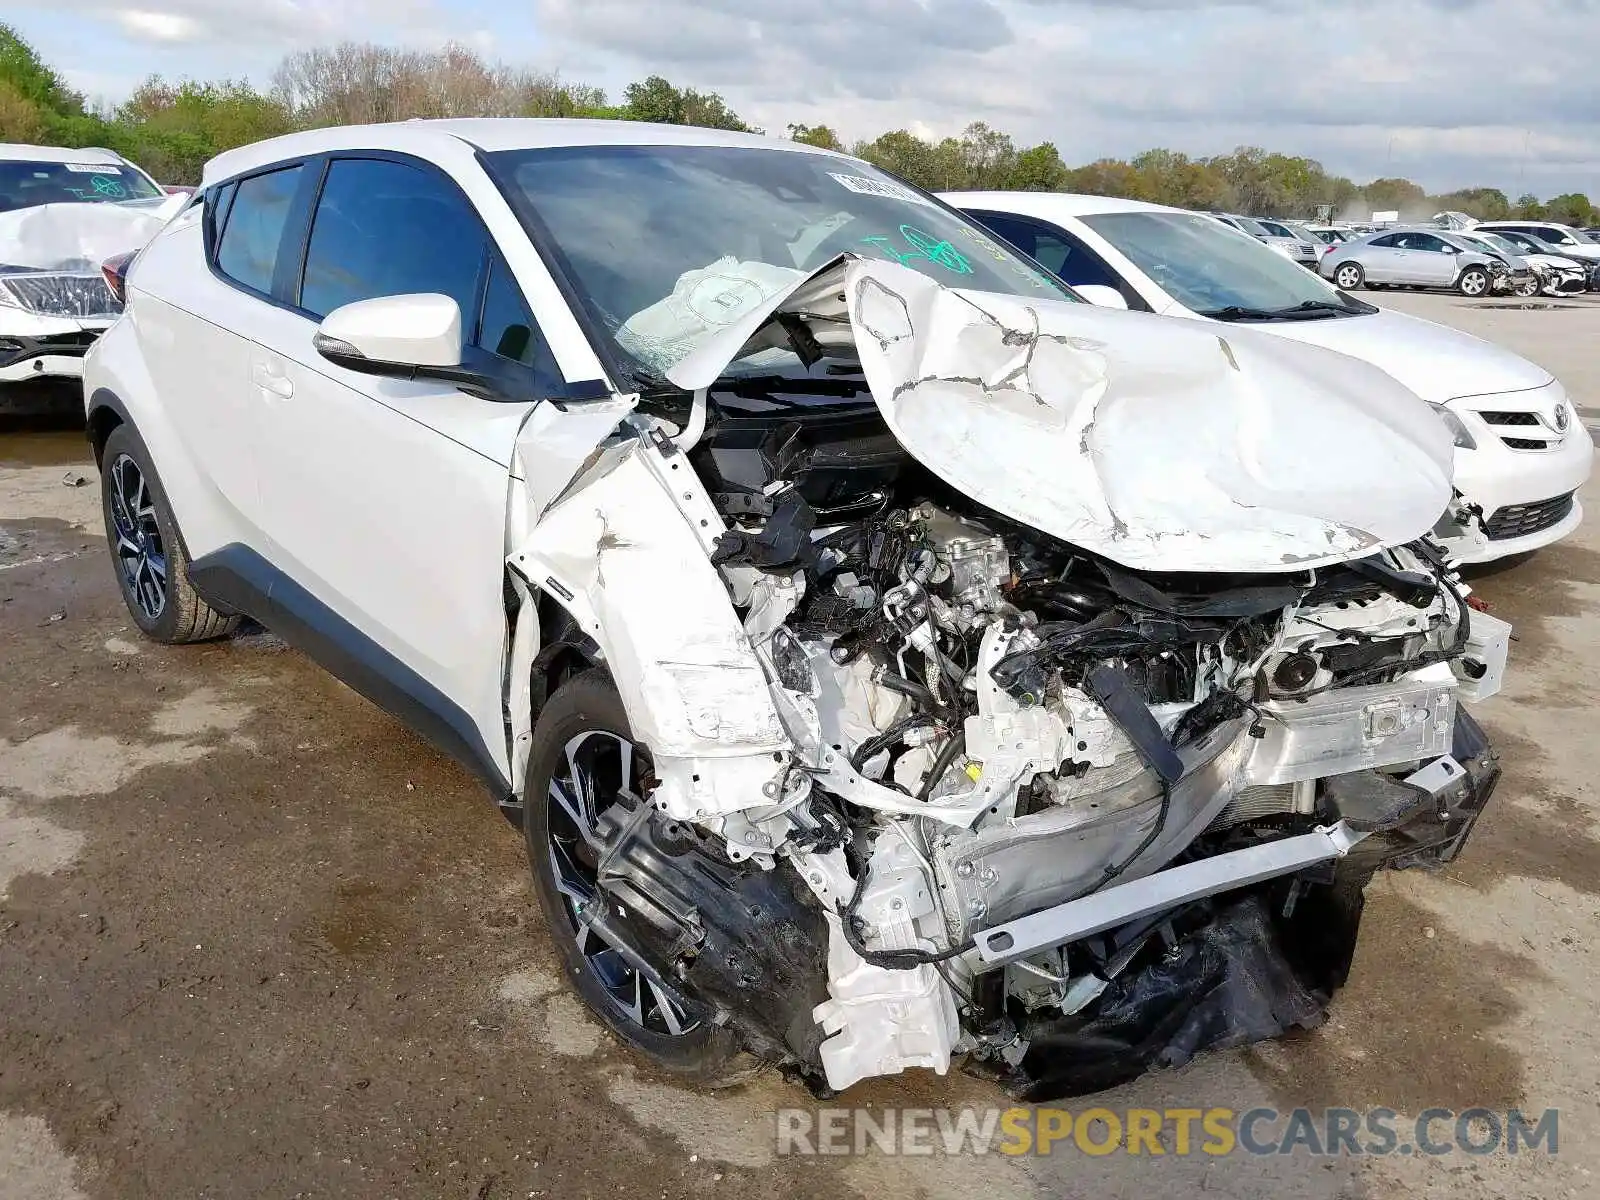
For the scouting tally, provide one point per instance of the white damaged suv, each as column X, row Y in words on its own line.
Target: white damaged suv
column 890, row 659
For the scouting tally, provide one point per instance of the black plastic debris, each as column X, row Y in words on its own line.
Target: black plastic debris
column 1226, row 983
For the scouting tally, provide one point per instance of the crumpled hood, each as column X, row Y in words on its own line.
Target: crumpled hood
column 1161, row 444
column 77, row 237
column 1435, row 362
column 50, row 254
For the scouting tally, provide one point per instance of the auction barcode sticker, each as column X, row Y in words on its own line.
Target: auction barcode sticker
column 93, row 168
column 879, row 187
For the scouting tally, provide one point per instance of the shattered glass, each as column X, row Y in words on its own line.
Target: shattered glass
column 83, row 295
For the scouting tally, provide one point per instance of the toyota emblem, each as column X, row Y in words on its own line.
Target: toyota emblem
column 1561, row 418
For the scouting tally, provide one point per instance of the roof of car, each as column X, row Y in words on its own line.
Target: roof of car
column 1521, row 221
column 483, row 133
column 22, row 152
column 1048, row 204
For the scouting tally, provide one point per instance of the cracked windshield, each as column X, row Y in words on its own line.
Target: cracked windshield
column 669, row 244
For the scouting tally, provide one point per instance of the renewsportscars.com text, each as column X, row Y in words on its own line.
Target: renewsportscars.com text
column 1164, row 1131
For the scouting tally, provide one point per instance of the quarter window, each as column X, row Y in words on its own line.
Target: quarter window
column 388, row 229
column 507, row 327
column 220, row 202
column 248, row 249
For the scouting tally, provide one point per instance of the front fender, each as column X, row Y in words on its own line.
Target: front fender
column 627, row 555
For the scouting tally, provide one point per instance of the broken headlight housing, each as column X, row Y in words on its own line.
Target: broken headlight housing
column 1459, row 433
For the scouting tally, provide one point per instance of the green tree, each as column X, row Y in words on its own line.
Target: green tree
column 1107, row 177
column 1038, row 169
column 1570, row 208
column 901, row 153
column 987, row 158
column 821, row 136
column 1528, row 207
column 656, row 99
column 1485, row 203
column 1170, row 177
column 173, row 129
column 1395, row 195
column 24, row 74
column 36, row 105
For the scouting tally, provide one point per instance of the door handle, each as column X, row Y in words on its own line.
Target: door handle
column 271, row 380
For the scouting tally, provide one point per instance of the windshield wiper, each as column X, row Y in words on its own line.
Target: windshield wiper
column 1309, row 310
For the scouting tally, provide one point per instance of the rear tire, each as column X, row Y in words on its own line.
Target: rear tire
column 147, row 551
column 1349, row 276
column 586, row 712
column 1474, row 282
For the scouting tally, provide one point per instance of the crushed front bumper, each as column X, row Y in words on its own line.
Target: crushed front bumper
column 1230, row 963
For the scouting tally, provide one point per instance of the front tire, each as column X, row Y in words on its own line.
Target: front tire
column 1474, row 282
column 583, row 761
column 147, row 551
column 1349, row 276
column 1528, row 288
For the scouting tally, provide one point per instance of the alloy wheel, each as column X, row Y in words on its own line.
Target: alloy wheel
column 600, row 769
column 1474, row 283
column 141, row 554
column 1347, row 277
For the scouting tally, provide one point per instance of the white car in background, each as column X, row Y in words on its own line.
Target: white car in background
column 62, row 214
column 1557, row 274
column 1521, row 452
column 1574, row 243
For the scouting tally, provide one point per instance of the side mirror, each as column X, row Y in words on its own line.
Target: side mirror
column 1101, row 296
column 400, row 337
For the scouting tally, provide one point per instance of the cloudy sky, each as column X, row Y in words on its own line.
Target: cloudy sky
column 1451, row 93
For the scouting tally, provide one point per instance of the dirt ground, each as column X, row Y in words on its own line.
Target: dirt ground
column 257, row 940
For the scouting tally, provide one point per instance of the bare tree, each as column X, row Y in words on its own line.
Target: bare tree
column 358, row 83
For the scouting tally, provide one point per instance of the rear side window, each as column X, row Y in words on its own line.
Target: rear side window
column 388, row 229
column 248, row 248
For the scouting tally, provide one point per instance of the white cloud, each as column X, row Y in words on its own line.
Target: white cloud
column 258, row 24
column 1456, row 84
column 1449, row 92
column 160, row 26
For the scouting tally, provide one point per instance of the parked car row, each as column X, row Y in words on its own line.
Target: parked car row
column 1544, row 257
column 1429, row 258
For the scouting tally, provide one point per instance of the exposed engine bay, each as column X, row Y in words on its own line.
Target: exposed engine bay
column 1061, row 816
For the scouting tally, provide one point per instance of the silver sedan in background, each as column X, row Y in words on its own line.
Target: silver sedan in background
column 1289, row 244
column 1428, row 258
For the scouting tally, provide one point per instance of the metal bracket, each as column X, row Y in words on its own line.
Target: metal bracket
column 1156, row 893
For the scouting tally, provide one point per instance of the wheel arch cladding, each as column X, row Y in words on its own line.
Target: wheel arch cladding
column 106, row 412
